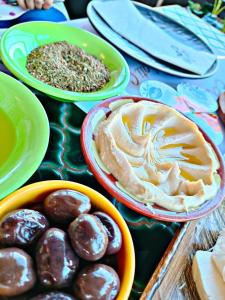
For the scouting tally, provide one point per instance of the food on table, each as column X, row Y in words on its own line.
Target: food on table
column 208, row 281
column 158, row 156
column 218, row 255
column 97, row 282
column 113, row 232
column 67, row 67
column 22, row 227
column 16, row 272
column 65, row 205
column 88, row 237
column 222, row 107
column 208, row 271
column 57, row 251
column 56, row 261
column 53, row 296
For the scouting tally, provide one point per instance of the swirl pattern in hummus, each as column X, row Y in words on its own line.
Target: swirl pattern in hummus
column 158, row 156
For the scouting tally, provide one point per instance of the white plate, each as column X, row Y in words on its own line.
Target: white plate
column 174, row 29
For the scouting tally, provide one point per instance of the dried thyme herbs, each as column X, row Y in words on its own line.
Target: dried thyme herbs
column 67, row 67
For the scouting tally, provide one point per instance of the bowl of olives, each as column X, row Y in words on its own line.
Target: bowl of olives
column 61, row 240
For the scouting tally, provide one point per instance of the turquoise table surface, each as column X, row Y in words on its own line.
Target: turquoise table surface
column 64, row 159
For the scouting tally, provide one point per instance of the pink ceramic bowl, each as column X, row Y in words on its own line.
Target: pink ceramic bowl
column 109, row 182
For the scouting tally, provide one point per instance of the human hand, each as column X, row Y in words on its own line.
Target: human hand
column 35, row 4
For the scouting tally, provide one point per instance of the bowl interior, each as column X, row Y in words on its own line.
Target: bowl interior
column 109, row 182
column 38, row 191
column 22, row 147
column 20, row 40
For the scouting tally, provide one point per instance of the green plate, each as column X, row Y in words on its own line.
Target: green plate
column 24, row 134
column 18, row 41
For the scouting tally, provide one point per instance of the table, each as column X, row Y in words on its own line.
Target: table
column 65, row 120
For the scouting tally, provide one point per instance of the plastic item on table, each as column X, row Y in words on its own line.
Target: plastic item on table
column 171, row 23
column 130, row 23
column 35, row 34
column 196, row 98
column 50, row 272
column 159, row 91
column 22, row 119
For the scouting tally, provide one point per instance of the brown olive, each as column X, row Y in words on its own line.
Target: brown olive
column 113, row 231
column 22, row 227
column 88, row 237
column 16, row 272
column 97, row 282
column 53, row 296
column 63, row 206
column 55, row 259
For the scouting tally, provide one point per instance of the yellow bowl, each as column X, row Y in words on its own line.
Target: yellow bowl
column 36, row 192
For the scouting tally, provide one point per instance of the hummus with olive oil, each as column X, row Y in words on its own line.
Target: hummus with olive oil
column 158, row 155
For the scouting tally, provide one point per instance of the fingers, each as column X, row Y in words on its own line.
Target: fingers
column 47, row 4
column 30, row 4
column 38, row 4
column 35, row 4
column 22, row 3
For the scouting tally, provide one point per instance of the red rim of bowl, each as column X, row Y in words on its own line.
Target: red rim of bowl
column 107, row 180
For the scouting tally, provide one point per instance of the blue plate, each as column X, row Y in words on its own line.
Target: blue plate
column 171, row 27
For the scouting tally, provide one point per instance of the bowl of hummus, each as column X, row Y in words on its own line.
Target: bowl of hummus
column 153, row 159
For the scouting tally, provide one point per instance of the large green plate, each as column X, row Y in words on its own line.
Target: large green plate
column 24, row 134
column 18, row 41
